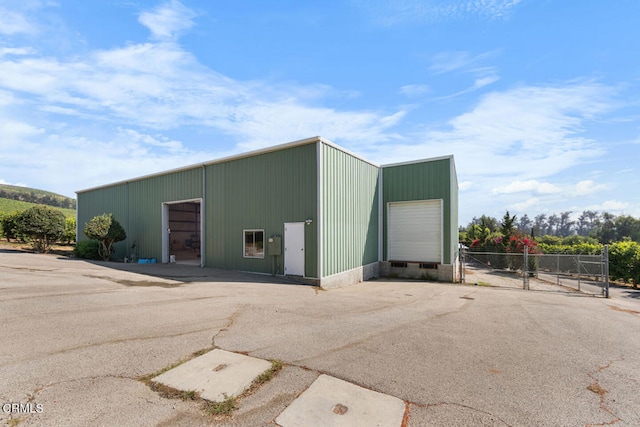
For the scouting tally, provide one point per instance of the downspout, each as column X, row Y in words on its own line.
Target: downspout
column 77, row 217
column 320, row 244
column 380, row 215
column 128, row 246
column 203, row 218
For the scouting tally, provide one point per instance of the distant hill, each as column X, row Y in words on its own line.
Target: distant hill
column 32, row 195
column 14, row 198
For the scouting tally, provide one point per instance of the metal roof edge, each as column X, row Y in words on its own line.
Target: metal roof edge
column 410, row 162
column 344, row 150
column 216, row 161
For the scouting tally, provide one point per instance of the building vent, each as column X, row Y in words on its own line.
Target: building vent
column 399, row 264
column 429, row 265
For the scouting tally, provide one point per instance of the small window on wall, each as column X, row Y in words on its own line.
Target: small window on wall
column 254, row 243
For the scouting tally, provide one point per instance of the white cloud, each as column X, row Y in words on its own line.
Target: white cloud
column 526, row 133
column 14, row 23
column 523, row 206
column 465, row 185
column 402, row 12
column 531, row 185
column 446, row 62
column 158, row 85
column 415, row 89
column 485, row 81
column 449, row 61
column 12, row 131
column 16, row 51
column 612, row 206
column 587, row 187
column 463, row 62
column 168, row 21
column 172, row 146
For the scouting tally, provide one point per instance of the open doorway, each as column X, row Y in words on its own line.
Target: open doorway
column 182, row 232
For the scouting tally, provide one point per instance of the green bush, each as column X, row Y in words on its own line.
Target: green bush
column 41, row 224
column 624, row 262
column 9, row 225
column 549, row 240
column 106, row 230
column 69, row 230
column 578, row 240
column 581, row 249
column 87, row 249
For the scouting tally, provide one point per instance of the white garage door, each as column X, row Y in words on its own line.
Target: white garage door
column 415, row 231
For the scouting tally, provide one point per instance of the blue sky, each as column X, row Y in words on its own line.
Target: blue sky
column 538, row 100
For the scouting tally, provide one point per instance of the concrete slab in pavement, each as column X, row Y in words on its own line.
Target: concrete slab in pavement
column 215, row 374
column 333, row 402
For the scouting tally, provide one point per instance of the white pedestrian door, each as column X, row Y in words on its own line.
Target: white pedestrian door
column 294, row 248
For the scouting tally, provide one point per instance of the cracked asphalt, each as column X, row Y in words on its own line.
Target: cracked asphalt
column 77, row 336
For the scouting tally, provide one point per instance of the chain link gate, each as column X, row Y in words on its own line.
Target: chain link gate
column 584, row 273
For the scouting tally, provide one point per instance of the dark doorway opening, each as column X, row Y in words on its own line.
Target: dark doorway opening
column 185, row 232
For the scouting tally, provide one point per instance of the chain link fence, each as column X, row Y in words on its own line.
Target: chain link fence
column 584, row 273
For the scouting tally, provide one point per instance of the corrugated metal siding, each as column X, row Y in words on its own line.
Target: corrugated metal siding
column 422, row 181
column 108, row 200
column 454, row 211
column 138, row 207
column 261, row 192
column 349, row 211
column 146, row 198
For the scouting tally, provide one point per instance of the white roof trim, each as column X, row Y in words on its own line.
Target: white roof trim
column 432, row 159
column 344, row 150
column 215, row 161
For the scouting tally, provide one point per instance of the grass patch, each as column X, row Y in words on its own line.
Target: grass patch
column 172, row 393
column 147, row 378
column 13, row 422
column 267, row 375
column 225, row 407
column 203, row 351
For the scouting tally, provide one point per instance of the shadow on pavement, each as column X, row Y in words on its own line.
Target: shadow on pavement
column 192, row 273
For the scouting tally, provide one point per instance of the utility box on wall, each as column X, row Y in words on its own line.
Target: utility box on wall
column 274, row 245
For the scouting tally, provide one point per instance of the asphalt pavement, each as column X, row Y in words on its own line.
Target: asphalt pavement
column 79, row 337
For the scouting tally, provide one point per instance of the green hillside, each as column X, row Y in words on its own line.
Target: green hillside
column 33, row 195
column 18, row 199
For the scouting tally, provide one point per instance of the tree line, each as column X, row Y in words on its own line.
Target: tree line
column 602, row 227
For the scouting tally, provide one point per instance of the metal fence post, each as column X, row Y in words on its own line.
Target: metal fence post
column 606, row 271
column 579, row 267
column 525, row 269
column 462, row 253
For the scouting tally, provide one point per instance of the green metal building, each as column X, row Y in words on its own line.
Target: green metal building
column 308, row 209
